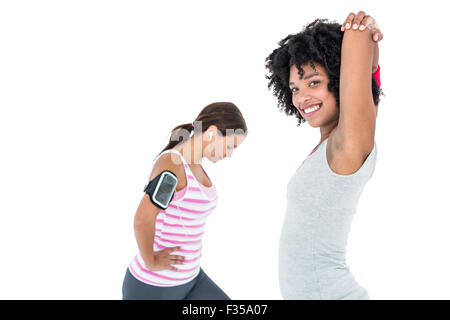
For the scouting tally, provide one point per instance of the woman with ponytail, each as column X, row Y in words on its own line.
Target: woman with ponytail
column 167, row 265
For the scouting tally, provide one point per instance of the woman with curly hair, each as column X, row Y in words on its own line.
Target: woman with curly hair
column 327, row 75
column 167, row 266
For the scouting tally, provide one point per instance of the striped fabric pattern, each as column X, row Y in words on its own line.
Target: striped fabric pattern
column 181, row 224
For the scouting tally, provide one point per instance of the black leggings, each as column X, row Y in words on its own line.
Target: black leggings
column 200, row 288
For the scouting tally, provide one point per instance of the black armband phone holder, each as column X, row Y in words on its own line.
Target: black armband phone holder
column 161, row 189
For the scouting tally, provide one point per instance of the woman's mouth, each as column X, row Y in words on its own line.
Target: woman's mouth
column 308, row 112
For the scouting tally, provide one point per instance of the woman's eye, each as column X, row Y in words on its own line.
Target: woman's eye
column 293, row 89
column 314, row 82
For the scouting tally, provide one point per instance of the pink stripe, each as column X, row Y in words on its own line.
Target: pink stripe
column 187, row 270
column 194, row 189
column 143, row 279
column 180, row 225
column 179, row 194
column 181, row 250
column 176, row 217
column 178, row 242
column 190, row 177
column 196, row 200
column 180, row 234
column 186, row 166
column 158, row 275
column 192, row 260
column 183, row 235
column 191, row 211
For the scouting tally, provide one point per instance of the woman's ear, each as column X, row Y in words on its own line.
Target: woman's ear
column 209, row 133
column 212, row 131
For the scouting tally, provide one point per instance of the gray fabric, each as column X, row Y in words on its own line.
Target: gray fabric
column 320, row 209
column 200, row 288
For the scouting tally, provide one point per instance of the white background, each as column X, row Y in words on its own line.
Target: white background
column 90, row 90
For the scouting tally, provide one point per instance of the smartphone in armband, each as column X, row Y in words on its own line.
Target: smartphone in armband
column 161, row 189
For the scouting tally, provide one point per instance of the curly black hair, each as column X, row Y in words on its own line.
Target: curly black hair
column 319, row 43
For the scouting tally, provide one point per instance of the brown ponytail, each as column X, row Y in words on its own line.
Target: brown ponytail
column 176, row 133
column 223, row 115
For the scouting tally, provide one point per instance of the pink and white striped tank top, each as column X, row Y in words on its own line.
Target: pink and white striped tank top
column 181, row 224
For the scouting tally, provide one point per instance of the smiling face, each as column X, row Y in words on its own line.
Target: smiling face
column 311, row 93
column 220, row 147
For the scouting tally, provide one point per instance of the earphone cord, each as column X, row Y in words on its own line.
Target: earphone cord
column 181, row 221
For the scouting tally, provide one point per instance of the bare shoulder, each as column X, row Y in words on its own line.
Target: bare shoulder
column 345, row 156
column 172, row 162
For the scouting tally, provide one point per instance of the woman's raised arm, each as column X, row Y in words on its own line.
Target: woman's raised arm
column 357, row 115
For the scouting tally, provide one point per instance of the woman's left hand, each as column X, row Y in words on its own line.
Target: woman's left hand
column 362, row 21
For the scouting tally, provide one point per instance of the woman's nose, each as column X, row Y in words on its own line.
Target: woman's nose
column 300, row 98
column 303, row 99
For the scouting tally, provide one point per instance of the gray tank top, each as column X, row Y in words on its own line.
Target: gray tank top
column 320, row 209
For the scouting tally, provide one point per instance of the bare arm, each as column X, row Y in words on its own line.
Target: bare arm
column 375, row 58
column 144, row 229
column 357, row 115
column 145, row 219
